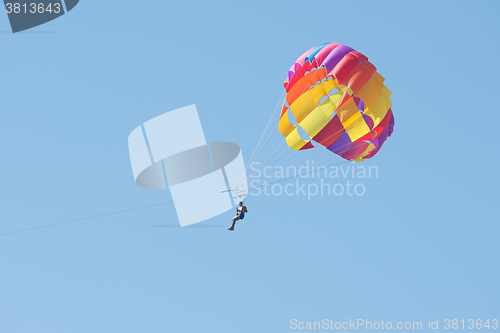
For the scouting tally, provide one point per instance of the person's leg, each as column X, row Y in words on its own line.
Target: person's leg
column 234, row 222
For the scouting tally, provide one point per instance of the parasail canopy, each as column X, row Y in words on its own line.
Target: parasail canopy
column 336, row 98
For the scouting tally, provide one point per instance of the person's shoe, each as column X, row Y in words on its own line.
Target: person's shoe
column 231, row 229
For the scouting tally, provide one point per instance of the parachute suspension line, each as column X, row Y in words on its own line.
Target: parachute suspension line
column 271, row 141
column 277, row 152
column 275, row 143
column 265, row 138
column 244, row 196
column 264, row 134
column 303, row 157
column 295, row 176
column 296, row 159
column 284, row 148
column 256, row 153
column 306, row 87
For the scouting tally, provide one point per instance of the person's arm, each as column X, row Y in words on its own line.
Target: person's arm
column 246, row 210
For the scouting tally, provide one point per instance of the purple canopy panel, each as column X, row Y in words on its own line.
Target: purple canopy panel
column 369, row 121
column 335, row 56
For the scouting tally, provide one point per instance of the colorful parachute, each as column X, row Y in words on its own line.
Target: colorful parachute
column 335, row 95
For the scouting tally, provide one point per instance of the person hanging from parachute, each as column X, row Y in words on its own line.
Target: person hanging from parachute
column 240, row 215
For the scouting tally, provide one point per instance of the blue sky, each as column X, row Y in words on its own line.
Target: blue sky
column 420, row 244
